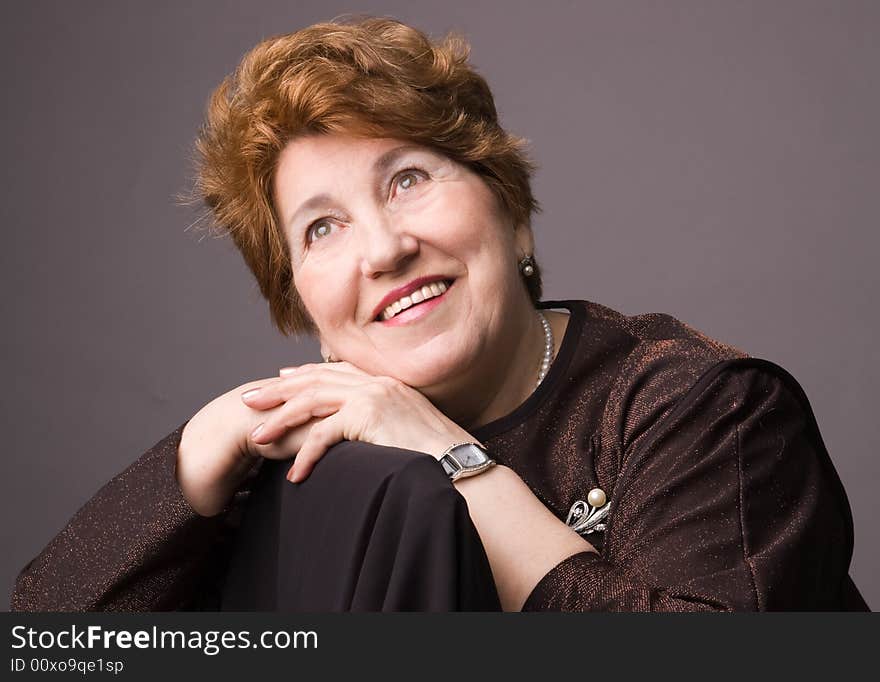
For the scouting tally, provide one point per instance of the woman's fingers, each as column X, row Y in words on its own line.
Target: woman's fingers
column 332, row 366
column 321, row 436
column 288, row 403
column 284, row 447
column 318, row 401
column 272, row 394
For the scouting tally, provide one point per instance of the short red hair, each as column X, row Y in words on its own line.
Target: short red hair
column 372, row 77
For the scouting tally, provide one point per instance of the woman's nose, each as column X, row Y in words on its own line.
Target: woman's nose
column 386, row 247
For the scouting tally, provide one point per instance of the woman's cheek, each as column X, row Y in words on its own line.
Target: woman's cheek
column 329, row 300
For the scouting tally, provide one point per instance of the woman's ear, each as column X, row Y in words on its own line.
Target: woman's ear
column 524, row 240
column 326, row 354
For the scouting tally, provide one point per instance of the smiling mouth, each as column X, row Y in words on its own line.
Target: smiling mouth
column 414, row 299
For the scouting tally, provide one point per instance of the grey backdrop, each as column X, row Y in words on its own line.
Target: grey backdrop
column 718, row 161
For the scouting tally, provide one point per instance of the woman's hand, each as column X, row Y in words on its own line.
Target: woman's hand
column 350, row 405
column 216, row 451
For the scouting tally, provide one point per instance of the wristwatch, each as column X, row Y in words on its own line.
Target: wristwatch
column 465, row 459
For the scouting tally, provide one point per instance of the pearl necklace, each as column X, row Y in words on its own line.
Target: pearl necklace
column 547, row 358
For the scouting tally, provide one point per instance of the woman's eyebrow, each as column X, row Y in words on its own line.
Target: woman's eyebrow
column 312, row 202
column 380, row 166
column 387, row 159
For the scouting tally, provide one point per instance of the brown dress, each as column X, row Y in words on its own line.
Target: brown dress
column 722, row 495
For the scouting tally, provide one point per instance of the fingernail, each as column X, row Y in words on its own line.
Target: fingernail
column 247, row 395
column 291, row 475
column 286, row 371
column 256, row 431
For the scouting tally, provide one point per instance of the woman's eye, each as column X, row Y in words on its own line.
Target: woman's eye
column 318, row 229
column 408, row 179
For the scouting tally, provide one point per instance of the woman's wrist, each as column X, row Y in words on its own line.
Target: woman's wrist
column 436, row 447
column 208, row 476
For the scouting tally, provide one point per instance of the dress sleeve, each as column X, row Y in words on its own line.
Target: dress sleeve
column 137, row 545
column 728, row 503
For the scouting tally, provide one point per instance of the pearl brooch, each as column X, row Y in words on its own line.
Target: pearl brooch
column 596, row 497
column 589, row 517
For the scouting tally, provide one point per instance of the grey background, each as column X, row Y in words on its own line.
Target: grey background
column 718, row 161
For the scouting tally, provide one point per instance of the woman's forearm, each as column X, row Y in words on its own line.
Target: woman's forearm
column 522, row 538
column 136, row 545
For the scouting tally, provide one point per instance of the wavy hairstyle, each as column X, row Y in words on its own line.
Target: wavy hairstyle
column 372, row 77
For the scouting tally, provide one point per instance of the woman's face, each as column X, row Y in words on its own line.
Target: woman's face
column 375, row 225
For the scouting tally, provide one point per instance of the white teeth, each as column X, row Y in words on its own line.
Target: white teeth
column 428, row 291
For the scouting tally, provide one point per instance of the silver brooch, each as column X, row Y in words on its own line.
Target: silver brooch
column 588, row 517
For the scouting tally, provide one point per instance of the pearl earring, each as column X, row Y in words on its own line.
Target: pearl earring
column 527, row 266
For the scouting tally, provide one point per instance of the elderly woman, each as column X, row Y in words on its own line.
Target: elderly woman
column 568, row 456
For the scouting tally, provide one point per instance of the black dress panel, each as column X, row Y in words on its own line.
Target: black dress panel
column 371, row 529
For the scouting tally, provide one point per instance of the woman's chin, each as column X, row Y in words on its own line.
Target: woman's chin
column 428, row 376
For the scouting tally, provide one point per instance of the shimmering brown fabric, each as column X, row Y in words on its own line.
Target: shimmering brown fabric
column 137, row 545
column 722, row 494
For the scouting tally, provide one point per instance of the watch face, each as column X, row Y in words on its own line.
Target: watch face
column 469, row 456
